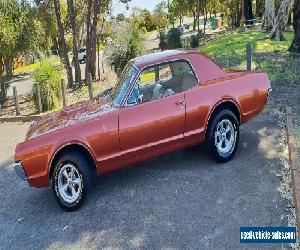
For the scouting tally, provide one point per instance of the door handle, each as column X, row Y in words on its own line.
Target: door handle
column 180, row 102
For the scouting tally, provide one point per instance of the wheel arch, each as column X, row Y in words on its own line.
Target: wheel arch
column 225, row 104
column 76, row 146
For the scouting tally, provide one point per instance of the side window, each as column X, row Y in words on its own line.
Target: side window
column 147, row 77
column 183, row 76
column 165, row 72
column 133, row 98
column 162, row 81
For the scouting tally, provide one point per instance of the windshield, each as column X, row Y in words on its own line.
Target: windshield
column 123, row 83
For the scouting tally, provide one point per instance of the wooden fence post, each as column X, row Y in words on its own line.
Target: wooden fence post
column 16, row 100
column 63, row 92
column 0, row 109
column 102, row 67
column 39, row 99
column 248, row 56
column 90, row 85
column 118, row 72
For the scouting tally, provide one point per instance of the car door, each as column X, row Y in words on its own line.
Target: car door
column 152, row 125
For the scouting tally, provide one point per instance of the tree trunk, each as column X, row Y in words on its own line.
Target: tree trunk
column 295, row 46
column 198, row 15
column 248, row 11
column 281, row 21
column 194, row 20
column 62, row 43
column 3, row 90
column 269, row 16
column 205, row 16
column 88, row 50
column 8, row 68
column 243, row 18
column 72, row 16
column 259, row 8
column 92, row 37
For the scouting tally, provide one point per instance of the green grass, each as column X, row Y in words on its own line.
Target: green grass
column 268, row 55
column 27, row 68
column 148, row 77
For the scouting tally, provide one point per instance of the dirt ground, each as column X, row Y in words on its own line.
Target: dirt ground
column 288, row 94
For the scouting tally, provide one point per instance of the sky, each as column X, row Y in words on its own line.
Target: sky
column 119, row 7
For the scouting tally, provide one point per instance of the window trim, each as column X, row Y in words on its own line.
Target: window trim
column 124, row 103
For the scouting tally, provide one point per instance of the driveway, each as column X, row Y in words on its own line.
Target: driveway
column 23, row 84
column 180, row 200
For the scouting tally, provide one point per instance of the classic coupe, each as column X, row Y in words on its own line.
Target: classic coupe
column 162, row 102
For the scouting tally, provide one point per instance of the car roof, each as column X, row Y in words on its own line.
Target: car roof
column 163, row 56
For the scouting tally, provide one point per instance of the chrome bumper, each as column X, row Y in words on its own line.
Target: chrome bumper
column 18, row 167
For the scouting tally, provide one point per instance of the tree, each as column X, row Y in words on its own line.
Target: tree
column 94, row 8
column 281, row 20
column 128, row 44
column 120, row 17
column 259, row 4
column 269, row 16
column 159, row 16
column 248, row 11
column 62, row 42
column 295, row 46
column 18, row 33
column 74, row 28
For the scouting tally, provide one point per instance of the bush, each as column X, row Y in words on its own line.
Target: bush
column 173, row 38
column 47, row 77
column 162, row 40
column 128, row 44
column 194, row 42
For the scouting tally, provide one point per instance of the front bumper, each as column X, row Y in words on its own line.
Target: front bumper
column 18, row 167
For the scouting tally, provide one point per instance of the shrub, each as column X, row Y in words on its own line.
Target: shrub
column 47, row 77
column 128, row 44
column 173, row 38
column 194, row 42
column 162, row 40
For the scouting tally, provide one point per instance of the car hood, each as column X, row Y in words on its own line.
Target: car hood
column 70, row 115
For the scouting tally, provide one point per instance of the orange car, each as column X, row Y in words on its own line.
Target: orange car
column 162, row 102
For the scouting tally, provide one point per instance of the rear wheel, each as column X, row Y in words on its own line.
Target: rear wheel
column 72, row 180
column 223, row 135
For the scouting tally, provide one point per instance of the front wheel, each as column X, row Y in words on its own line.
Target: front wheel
column 71, row 181
column 223, row 136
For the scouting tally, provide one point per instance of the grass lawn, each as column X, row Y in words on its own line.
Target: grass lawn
column 268, row 55
column 27, row 68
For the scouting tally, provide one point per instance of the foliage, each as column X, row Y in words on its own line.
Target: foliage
column 162, row 40
column 194, row 42
column 18, row 31
column 128, row 44
column 47, row 77
column 120, row 17
column 173, row 38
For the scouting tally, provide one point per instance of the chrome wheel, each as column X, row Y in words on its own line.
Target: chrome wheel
column 69, row 183
column 224, row 136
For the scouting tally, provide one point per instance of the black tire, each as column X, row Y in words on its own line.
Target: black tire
column 83, row 174
column 212, row 139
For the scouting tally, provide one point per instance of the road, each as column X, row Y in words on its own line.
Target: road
column 180, row 200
